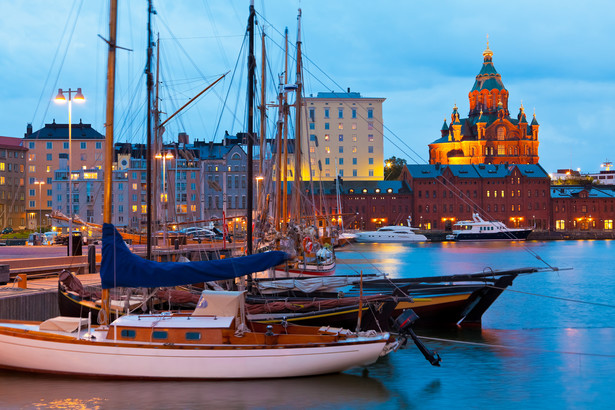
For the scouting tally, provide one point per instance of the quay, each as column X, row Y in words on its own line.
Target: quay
column 31, row 291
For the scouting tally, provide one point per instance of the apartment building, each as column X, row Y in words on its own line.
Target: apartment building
column 48, row 151
column 343, row 136
column 13, row 184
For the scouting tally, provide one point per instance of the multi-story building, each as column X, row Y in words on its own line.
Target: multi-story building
column 365, row 205
column 583, row 208
column 225, row 179
column 489, row 135
column 344, row 137
column 48, row 151
column 13, row 185
column 86, row 196
column 443, row 194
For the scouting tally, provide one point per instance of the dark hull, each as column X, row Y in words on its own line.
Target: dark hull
column 520, row 235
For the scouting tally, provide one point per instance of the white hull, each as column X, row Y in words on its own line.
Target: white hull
column 109, row 359
column 384, row 239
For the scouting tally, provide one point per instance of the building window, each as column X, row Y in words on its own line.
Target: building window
column 501, row 133
column 341, row 137
column 340, row 126
column 341, row 172
column 354, row 125
column 370, row 125
column 354, row 148
column 370, row 149
column 49, row 157
column 560, row 224
column 326, row 137
column 340, row 161
column 341, row 149
column 31, row 145
column 326, row 161
column 84, row 145
column 501, row 150
column 98, row 145
column 354, row 137
column 354, row 113
column 370, row 113
column 326, row 125
column 354, row 172
column 312, row 149
column 370, row 137
column 340, row 113
column 371, row 172
column 608, row 224
column 312, row 114
column 326, row 113
column 312, row 126
column 354, row 161
column 312, row 137
column 328, row 150
column 49, row 145
column 65, row 145
column 370, row 161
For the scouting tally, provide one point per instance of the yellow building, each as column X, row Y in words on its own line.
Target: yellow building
column 342, row 135
column 48, row 151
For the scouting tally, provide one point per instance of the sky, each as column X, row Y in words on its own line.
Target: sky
column 555, row 57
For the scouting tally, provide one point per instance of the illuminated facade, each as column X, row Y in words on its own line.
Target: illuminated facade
column 489, row 135
column 344, row 137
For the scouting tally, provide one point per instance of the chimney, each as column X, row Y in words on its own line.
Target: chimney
column 28, row 130
column 348, row 90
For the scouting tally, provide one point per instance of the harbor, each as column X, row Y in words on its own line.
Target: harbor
column 548, row 334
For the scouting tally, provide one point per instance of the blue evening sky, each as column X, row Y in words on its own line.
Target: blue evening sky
column 556, row 57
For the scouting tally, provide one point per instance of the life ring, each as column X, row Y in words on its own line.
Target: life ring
column 307, row 244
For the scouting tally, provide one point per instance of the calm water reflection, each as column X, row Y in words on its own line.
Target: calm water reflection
column 534, row 351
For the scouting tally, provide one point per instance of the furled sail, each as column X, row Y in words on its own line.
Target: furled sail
column 120, row 267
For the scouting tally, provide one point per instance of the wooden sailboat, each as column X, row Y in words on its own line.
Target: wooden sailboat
column 213, row 342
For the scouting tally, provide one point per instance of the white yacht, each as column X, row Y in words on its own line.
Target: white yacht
column 391, row 234
column 479, row 230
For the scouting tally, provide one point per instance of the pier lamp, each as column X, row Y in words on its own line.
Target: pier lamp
column 40, row 204
column 61, row 99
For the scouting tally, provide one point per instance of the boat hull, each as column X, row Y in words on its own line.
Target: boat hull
column 29, row 350
column 510, row 235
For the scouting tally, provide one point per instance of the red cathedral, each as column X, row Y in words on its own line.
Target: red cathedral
column 489, row 135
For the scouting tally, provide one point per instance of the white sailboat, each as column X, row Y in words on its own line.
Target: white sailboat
column 214, row 342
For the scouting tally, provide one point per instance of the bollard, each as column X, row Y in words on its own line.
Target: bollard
column 22, row 281
column 91, row 258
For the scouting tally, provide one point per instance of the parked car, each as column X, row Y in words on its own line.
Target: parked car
column 6, row 230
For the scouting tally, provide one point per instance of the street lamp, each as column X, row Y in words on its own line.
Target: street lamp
column 61, row 99
column 163, row 195
column 40, row 204
column 259, row 180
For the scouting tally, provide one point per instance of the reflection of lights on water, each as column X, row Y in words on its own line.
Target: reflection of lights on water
column 93, row 403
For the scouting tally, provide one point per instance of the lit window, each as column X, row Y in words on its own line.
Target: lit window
column 143, row 209
column 370, row 137
column 608, row 224
column 134, row 187
column 328, row 150
column 134, row 208
column 354, row 137
column 341, row 137
column 31, row 168
column 354, row 148
column 354, row 125
column 326, row 137
column 312, row 149
column 340, row 126
column 2, row 166
column 501, row 150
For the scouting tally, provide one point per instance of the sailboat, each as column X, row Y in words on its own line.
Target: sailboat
column 214, row 342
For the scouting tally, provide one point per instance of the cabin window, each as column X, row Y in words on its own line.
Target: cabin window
column 160, row 334
column 128, row 333
column 193, row 335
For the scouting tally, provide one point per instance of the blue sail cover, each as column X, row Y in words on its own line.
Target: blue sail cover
column 120, row 267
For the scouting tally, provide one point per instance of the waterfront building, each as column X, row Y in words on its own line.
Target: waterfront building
column 365, row 205
column 13, row 185
column 48, row 148
column 515, row 194
column 344, row 137
column 489, row 135
column 86, row 197
column 583, row 207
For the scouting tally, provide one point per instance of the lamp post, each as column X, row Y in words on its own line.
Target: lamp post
column 40, row 204
column 163, row 196
column 259, row 180
column 61, row 99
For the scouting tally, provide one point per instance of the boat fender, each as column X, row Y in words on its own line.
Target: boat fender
column 307, row 244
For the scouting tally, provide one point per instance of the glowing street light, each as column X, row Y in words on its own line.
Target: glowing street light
column 61, row 99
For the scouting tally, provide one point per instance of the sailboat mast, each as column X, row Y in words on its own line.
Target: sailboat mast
column 149, row 159
column 263, row 109
column 157, row 142
column 109, row 123
column 251, row 70
column 298, row 105
column 285, row 132
column 278, row 164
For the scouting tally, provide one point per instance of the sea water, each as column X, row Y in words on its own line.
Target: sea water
column 547, row 342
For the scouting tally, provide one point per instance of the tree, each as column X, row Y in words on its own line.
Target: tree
column 393, row 167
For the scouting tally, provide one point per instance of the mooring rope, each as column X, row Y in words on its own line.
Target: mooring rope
column 478, row 344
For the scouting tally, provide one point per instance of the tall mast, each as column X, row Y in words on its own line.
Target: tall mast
column 298, row 104
column 251, row 70
column 157, row 143
column 263, row 108
column 285, row 133
column 278, row 152
column 149, row 159
column 109, row 123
